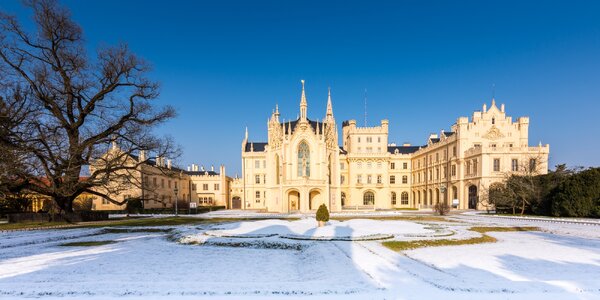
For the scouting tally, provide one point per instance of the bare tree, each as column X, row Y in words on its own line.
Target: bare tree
column 62, row 110
column 520, row 188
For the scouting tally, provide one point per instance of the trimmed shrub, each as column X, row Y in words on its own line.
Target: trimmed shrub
column 323, row 213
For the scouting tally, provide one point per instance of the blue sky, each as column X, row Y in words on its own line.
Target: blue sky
column 225, row 64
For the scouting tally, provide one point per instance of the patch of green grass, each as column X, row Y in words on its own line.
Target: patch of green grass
column 88, row 244
column 14, row 226
column 134, row 230
column 484, row 238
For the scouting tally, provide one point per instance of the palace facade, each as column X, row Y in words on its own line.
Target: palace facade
column 302, row 164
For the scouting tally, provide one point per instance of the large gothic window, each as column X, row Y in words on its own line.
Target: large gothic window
column 303, row 160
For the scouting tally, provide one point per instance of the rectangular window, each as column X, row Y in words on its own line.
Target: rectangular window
column 393, row 166
column 257, row 179
column 468, row 168
column 154, row 181
column 454, row 151
column 496, row 165
column 216, row 186
column 162, row 182
column 453, row 170
column 175, row 183
column 205, row 187
column 341, row 166
column 359, row 140
column 359, row 178
column 475, row 168
column 392, row 179
column 445, row 173
column 257, row 195
column 437, row 157
column 169, row 183
column 369, row 179
column 404, row 166
column 193, row 186
column 379, row 179
column 515, row 165
column 532, row 165
column 257, row 164
column 342, row 179
column 404, row 179
column 105, row 202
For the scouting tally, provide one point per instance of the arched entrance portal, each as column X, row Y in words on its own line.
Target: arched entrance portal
column 236, row 203
column 293, row 201
column 473, row 197
column 315, row 199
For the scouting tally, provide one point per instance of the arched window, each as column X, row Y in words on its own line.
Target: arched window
column 404, row 198
column 343, row 199
column 393, row 198
column 369, row 198
column 303, row 160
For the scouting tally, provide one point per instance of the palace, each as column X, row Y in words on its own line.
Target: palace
column 302, row 165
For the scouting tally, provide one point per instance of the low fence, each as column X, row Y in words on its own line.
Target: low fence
column 86, row 216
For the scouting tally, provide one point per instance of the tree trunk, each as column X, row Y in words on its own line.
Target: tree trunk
column 65, row 203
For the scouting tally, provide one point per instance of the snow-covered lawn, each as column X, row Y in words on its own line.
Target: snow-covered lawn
column 255, row 259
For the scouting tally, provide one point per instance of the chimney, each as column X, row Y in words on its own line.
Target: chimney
column 188, row 168
column 168, row 163
column 212, row 168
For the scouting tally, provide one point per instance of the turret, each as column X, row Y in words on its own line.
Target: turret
column 329, row 113
column 303, row 104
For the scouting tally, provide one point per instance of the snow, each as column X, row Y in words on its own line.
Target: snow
column 255, row 259
column 357, row 229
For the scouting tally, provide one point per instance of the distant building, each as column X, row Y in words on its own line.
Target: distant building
column 156, row 180
column 302, row 165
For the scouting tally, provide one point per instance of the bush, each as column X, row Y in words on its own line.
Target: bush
column 322, row 213
column 578, row 195
column 134, row 206
column 441, row 208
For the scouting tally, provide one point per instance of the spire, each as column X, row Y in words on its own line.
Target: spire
column 246, row 135
column 329, row 106
column 277, row 109
column 303, row 103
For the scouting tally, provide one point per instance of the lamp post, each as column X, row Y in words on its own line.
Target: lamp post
column 176, row 191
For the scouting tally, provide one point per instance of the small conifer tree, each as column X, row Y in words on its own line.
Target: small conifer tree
column 322, row 213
